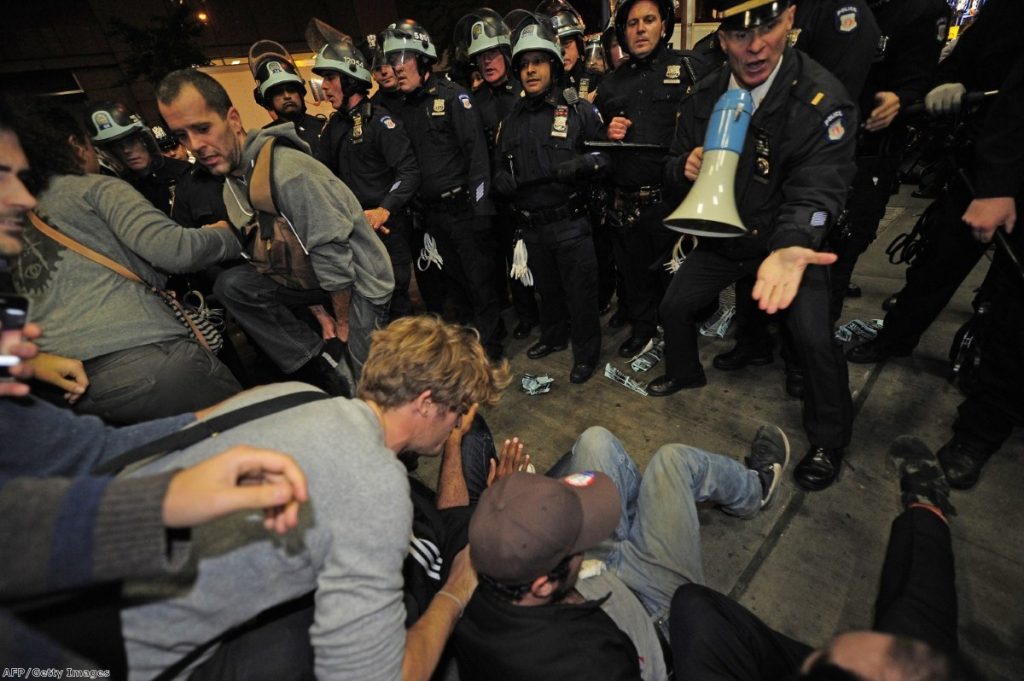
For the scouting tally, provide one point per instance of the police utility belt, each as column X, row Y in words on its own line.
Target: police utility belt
column 453, row 199
column 647, row 195
column 538, row 217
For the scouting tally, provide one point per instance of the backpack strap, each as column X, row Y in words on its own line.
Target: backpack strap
column 205, row 429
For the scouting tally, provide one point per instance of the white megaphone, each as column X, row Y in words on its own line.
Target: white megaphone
column 710, row 207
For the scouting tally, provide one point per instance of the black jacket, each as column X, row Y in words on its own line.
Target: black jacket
column 806, row 130
column 368, row 149
column 498, row 641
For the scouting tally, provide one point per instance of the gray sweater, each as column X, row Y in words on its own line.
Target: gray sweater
column 350, row 545
column 326, row 216
column 86, row 309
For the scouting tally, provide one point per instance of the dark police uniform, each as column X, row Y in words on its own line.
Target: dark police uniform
column 199, row 199
column 494, row 103
column 449, row 143
column 995, row 402
column 841, row 35
column 791, row 182
column 647, row 92
column 981, row 61
column 539, row 134
column 368, row 149
column 913, row 33
column 581, row 79
column 308, row 128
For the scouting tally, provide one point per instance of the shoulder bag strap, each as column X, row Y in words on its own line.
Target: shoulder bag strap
column 201, row 430
column 82, row 249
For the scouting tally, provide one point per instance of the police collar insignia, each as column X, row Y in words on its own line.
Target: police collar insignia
column 584, row 86
column 438, row 109
column 560, row 124
column 835, row 126
column 466, row 103
column 793, row 36
column 846, row 19
column 673, row 72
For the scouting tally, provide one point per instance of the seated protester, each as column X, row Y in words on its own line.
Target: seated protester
column 141, row 362
column 190, row 196
column 915, row 628
column 536, row 617
column 420, row 377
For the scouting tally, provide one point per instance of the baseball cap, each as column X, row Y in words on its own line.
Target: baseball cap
column 525, row 525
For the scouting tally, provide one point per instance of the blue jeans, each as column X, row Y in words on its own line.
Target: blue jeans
column 656, row 547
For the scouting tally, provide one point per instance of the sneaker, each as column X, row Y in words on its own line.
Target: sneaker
column 921, row 479
column 769, row 455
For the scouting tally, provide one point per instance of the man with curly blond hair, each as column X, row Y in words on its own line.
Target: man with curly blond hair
column 421, row 376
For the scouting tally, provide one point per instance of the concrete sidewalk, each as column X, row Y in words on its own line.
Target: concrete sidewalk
column 809, row 565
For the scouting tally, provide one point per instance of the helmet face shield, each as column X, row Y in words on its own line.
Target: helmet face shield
column 408, row 36
column 397, row 60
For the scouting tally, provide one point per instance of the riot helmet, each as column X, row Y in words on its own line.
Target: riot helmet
column 272, row 66
column 111, row 121
column 534, row 32
column 407, row 39
column 482, row 30
column 566, row 21
column 665, row 7
column 594, row 58
column 336, row 53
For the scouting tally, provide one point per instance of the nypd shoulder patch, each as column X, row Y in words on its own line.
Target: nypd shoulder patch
column 388, row 122
column 847, row 18
column 466, row 103
column 835, row 126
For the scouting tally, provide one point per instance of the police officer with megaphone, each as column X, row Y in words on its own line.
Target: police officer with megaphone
column 791, row 181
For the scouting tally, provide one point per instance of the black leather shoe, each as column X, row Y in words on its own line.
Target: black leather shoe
column 819, row 468
column 961, row 463
column 660, row 387
column 795, row 383
column 523, row 329
column 633, row 346
column 538, row 350
column 581, row 373
column 875, row 350
column 742, row 355
column 618, row 319
column 853, row 291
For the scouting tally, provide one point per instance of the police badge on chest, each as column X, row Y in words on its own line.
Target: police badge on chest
column 560, row 124
column 357, row 129
column 762, row 155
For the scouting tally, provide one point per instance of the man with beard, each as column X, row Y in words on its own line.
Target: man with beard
column 282, row 92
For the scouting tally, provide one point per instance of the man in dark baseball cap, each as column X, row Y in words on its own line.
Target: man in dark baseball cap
column 542, row 611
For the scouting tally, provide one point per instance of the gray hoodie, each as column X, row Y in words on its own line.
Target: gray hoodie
column 326, row 216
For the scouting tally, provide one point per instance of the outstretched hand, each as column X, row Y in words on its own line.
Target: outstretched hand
column 511, row 459
column 779, row 276
column 240, row 478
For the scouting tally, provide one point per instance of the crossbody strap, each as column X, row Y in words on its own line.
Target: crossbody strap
column 82, row 249
column 208, row 428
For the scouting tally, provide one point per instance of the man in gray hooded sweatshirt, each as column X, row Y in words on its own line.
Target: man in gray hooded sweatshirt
column 353, row 278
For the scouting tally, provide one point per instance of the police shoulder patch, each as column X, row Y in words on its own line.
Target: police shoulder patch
column 835, row 126
column 388, row 122
column 847, row 18
column 466, row 103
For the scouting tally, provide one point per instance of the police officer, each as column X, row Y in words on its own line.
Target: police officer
column 793, row 175
column 169, row 146
column 979, row 63
column 282, row 91
column 542, row 135
column 387, row 92
column 484, row 37
column 570, row 27
column 450, row 146
column 914, row 32
column 189, row 195
column 639, row 101
column 367, row 148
